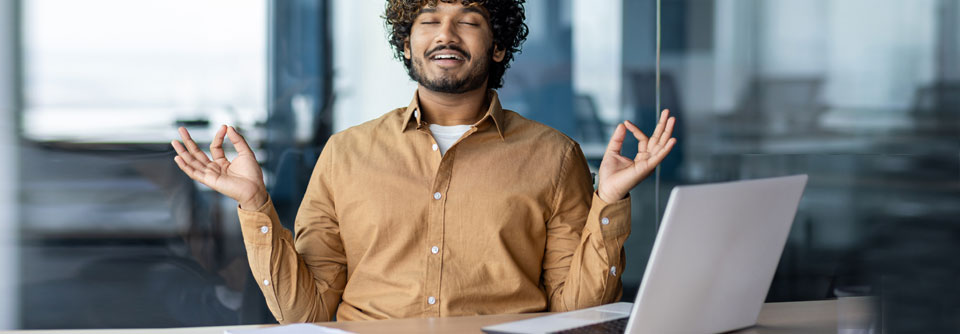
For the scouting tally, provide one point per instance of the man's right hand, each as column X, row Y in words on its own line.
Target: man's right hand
column 240, row 179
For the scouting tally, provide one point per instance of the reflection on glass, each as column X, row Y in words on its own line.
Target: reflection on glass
column 860, row 95
column 110, row 233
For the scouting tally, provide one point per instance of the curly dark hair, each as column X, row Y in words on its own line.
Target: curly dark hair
column 506, row 20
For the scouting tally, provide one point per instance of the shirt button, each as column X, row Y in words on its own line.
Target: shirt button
column 266, row 282
column 613, row 270
column 436, row 195
column 264, row 229
column 435, row 249
column 435, row 147
column 605, row 221
column 431, row 300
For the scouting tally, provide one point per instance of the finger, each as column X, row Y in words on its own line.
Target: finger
column 188, row 158
column 616, row 140
column 641, row 138
column 186, row 168
column 182, row 152
column 668, row 131
column 661, row 154
column 216, row 147
column 192, row 145
column 239, row 143
column 655, row 138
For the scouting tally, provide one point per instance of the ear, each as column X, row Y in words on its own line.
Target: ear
column 406, row 48
column 498, row 53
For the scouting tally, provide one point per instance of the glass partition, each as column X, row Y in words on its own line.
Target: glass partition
column 109, row 232
column 861, row 95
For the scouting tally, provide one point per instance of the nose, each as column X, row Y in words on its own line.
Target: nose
column 447, row 34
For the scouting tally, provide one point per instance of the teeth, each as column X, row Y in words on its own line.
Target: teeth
column 446, row 57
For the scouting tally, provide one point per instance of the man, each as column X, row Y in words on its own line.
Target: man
column 450, row 206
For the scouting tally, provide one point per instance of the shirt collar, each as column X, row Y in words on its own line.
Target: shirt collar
column 494, row 113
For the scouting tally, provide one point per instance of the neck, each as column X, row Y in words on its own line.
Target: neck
column 452, row 109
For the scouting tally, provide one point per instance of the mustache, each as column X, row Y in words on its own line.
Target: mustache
column 448, row 47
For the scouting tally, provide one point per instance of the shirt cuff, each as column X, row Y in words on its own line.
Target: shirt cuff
column 611, row 220
column 258, row 226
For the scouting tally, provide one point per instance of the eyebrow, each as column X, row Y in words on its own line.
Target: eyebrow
column 474, row 9
column 468, row 9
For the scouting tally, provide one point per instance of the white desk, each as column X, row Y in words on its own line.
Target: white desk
column 775, row 318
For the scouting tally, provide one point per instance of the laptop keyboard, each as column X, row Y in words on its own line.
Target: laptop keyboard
column 613, row 326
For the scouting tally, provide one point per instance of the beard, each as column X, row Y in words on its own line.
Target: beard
column 475, row 78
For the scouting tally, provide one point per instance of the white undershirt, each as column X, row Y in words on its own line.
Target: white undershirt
column 446, row 135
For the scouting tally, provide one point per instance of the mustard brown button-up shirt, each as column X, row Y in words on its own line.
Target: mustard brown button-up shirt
column 507, row 221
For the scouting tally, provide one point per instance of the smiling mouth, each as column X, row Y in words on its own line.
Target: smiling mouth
column 447, row 60
column 447, row 57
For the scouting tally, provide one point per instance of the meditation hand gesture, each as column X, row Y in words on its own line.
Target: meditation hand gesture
column 619, row 174
column 240, row 179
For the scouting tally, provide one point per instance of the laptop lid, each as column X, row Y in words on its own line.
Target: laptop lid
column 715, row 256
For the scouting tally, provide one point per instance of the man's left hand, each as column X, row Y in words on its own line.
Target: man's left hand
column 619, row 174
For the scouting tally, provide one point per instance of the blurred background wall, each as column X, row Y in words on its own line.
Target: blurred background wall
column 102, row 230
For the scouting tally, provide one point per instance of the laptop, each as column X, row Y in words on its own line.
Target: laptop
column 711, row 266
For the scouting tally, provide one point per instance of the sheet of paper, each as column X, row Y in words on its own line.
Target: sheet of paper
column 289, row 329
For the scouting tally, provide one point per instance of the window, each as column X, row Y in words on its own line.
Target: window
column 129, row 70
